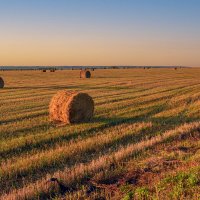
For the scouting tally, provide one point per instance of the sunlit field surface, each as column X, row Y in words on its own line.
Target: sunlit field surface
column 143, row 142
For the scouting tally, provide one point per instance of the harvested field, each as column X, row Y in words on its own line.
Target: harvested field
column 142, row 143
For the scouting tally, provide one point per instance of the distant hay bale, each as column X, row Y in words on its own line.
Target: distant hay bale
column 44, row 70
column 1, row 83
column 71, row 107
column 85, row 74
column 52, row 70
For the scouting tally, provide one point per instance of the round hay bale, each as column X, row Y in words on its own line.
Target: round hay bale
column 85, row 74
column 44, row 70
column 71, row 107
column 1, row 83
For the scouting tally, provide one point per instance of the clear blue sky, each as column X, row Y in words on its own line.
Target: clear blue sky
column 100, row 32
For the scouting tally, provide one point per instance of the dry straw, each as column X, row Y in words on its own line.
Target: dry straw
column 85, row 74
column 1, row 83
column 79, row 171
column 71, row 107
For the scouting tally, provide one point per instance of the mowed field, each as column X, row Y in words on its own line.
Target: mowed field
column 143, row 142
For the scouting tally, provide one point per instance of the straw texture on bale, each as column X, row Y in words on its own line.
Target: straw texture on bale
column 71, row 107
column 1, row 83
column 85, row 74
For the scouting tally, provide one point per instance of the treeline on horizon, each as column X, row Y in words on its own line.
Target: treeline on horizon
column 20, row 68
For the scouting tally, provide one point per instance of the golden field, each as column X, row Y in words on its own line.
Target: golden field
column 143, row 142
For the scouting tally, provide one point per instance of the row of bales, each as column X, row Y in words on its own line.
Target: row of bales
column 51, row 70
column 83, row 74
column 68, row 107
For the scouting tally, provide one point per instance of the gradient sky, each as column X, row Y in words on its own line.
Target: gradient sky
column 100, row 32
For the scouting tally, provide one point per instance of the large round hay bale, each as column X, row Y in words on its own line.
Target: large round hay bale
column 85, row 74
column 71, row 107
column 1, row 83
